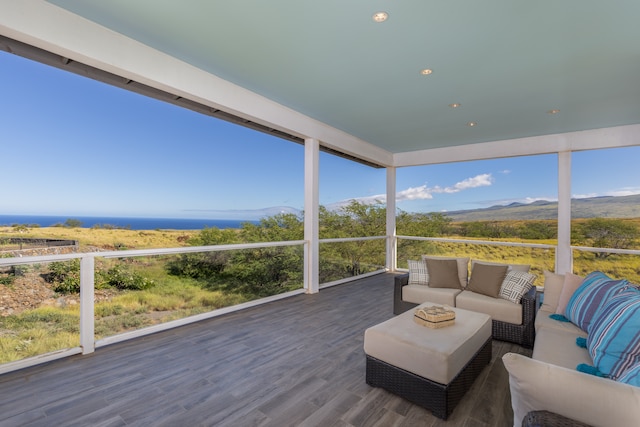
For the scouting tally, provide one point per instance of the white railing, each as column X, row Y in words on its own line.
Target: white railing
column 88, row 343
column 606, row 250
column 480, row 242
column 360, row 276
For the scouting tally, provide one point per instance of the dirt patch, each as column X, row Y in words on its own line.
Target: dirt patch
column 32, row 291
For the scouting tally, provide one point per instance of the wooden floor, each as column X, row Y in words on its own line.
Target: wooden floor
column 296, row 362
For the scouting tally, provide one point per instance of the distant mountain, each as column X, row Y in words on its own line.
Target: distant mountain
column 605, row 207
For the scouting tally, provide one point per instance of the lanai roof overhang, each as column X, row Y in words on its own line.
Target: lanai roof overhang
column 326, row 73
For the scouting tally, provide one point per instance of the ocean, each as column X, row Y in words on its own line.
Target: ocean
column 131, row 223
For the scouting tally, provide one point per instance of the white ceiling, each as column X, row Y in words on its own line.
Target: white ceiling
column 507, row 62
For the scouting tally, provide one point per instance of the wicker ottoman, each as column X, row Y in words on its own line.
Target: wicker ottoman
column 432, row 368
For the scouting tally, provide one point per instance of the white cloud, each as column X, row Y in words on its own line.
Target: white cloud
column 584, row 196
column 624, row 191
column 422, row 192
column 483, row 180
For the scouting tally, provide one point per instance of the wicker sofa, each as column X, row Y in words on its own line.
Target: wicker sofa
column 562, row 380
column 510, row 321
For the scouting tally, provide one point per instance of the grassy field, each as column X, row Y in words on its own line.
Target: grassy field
column 49, row 328
column 55, row 326
column 106, row 238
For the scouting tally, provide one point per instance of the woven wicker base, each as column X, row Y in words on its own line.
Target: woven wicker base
column 440, row 399
column 549, row 419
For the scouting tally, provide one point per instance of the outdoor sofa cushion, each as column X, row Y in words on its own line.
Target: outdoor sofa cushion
column 544, row 320
column 571, row 283
column 553, row 284
column 418, row 294
column 593, row 400
column 558, row 347
column 498, row 308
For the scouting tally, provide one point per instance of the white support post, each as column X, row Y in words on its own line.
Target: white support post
column 87, row 319
column 564, row 257
column 311, row 215
column 392, row 244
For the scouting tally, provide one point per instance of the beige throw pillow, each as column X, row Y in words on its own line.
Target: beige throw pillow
column 463, row 267
column 553, row 284
column 443, row 273
column 569, row 286
column 512, row 267
column 487, row 279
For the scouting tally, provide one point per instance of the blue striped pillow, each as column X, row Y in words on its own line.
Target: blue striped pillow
column 614, row 339
column 631, row 376
column 595, row 290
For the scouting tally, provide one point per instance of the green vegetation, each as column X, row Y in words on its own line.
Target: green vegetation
column 137, row 292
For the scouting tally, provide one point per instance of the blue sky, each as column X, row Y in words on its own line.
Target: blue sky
column 73, row 146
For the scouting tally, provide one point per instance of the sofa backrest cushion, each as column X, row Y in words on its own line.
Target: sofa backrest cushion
column 571, row 283
column 596, row 289
column 486, row 279
column 614, row 338
column 552, row 289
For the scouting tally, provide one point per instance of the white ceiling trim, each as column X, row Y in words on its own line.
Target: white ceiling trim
column 619, row 136
column 51, row 28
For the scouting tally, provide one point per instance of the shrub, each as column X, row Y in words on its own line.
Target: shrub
column 7, row 280
column 65, row 276
column 121, row 277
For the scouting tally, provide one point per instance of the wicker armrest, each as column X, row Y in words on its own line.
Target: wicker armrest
column 400, row 306
column 529, row 306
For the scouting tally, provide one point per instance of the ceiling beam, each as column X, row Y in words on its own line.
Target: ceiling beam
column 595, row 139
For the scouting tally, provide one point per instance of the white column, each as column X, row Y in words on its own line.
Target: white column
column 311, row 215
column 564, row 257
column 392, row 248
column 87, row 319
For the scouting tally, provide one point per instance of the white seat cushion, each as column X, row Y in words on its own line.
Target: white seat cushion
column 435, row 354
column 418, row 294
column 544, row 321
column 498, row 308
column 559, row 348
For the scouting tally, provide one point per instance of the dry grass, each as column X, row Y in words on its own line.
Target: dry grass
column 107, row 238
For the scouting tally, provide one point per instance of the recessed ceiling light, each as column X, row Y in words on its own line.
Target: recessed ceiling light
column 472, row 124
column 455, row 105
column 426, row 71
column 380, row 16
column 554, row 111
